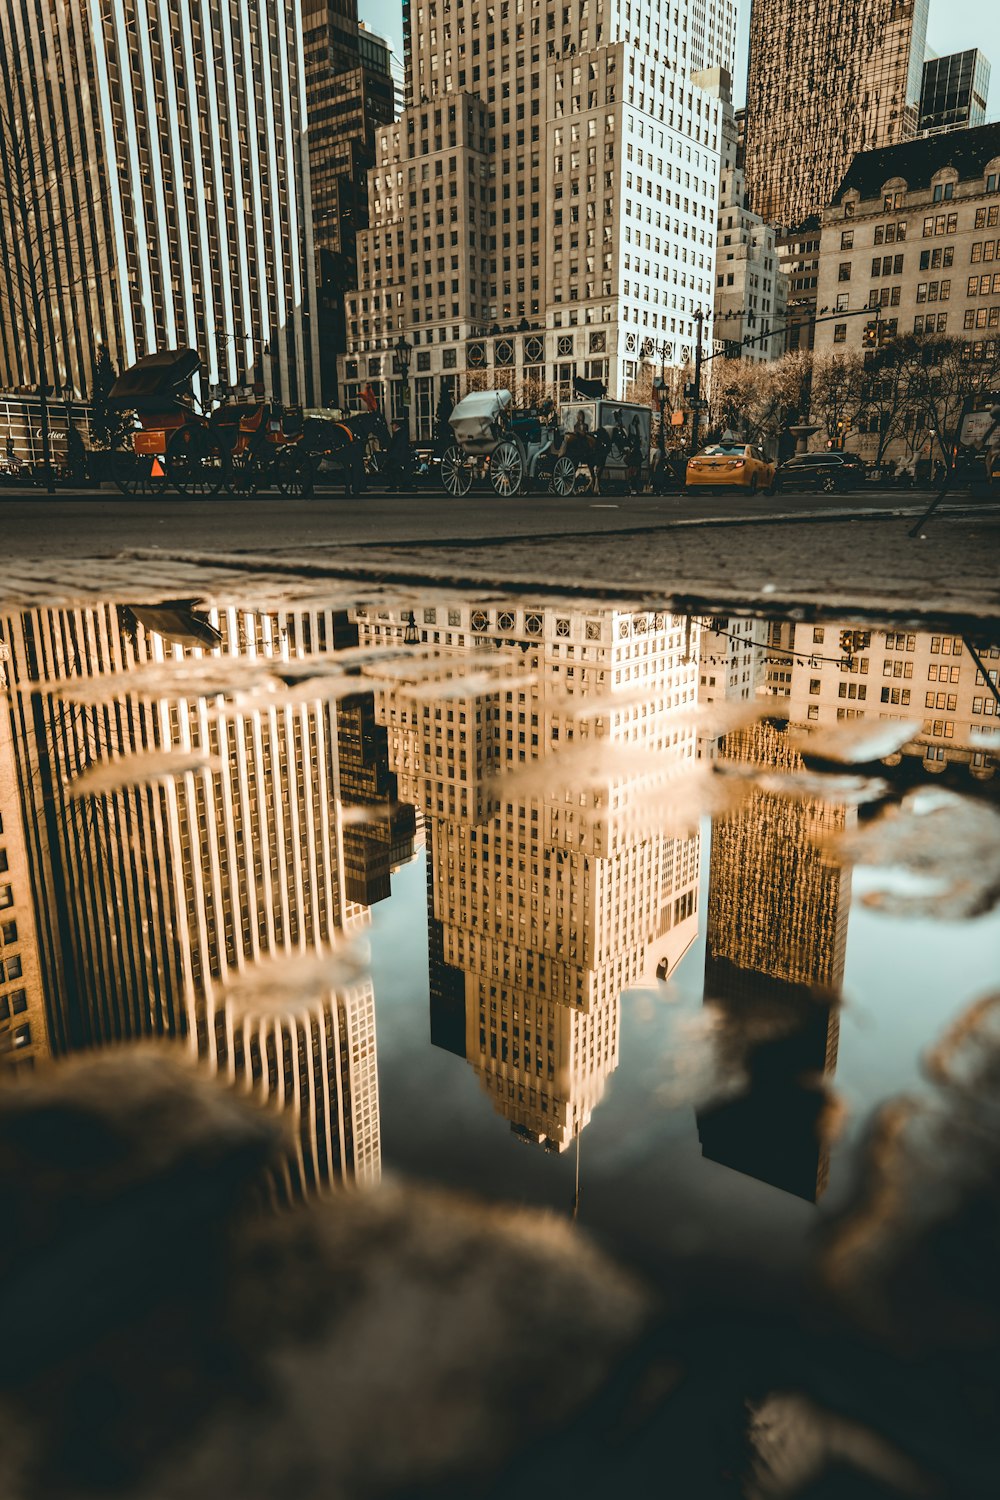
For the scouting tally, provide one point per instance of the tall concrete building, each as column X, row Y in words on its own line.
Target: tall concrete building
column 954, row 92
column 751, row 288
column 546, row 900
column 544, row 209
column 774, row 967
column 824, row 84
column 350, row 93
column 177, row 907
column 156, row 193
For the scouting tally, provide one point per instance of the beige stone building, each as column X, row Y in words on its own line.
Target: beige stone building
column 909, row 675
column 751, row 288
column 914, row 232
column 545, row 208
column 549, row 896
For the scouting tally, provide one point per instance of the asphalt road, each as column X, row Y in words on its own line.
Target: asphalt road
column 34, row 525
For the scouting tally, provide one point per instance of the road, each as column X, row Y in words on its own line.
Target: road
column 36, row 526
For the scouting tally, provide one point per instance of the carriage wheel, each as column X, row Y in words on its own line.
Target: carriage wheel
column 245, row 474
column 193, row 466
column 506, row 469
column 294, row 476
column 456, row 472
column 133, row 472
column 563, row 477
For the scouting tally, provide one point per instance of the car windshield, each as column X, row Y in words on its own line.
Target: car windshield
column 723, row 448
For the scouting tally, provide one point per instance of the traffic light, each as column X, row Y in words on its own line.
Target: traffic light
column 870, row 338
column 847, row 642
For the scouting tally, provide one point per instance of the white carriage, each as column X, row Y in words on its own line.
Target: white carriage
column 491, row 440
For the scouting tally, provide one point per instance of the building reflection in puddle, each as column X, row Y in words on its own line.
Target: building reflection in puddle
column 140, row 906
column 774, row 967
column 554, row 883
column 545, row 903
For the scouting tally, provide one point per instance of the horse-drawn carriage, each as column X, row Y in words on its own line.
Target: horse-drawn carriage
column 514, row 451
column 242, row 446
column 539, row 450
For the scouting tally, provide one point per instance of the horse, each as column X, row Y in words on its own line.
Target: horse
column 347, row 441
column 590, row 449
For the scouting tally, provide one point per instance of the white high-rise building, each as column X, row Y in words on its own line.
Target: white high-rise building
column 155, row 192
column 545, row 208
column 751, row 289
column 546, row 900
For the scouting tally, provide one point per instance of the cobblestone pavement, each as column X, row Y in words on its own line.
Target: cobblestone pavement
column 825, row 568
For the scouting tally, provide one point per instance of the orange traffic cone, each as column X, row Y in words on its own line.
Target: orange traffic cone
column 157, row 471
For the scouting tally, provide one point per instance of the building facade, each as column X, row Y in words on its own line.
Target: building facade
column 185, row 906
column 350, row 93
column 750, row 286
column 914, row 231
column 823, row 85
column 156, row 194
column 547, row 896
column 954, row 92
column 776, row 944
column 544, row 209
column 927, row 679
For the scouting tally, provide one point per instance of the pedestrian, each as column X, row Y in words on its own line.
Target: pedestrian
column 633, row 464
column 398, row 461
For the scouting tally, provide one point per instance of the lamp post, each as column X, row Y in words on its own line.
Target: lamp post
column 699, row 319
column 411, row 635
column 403, row 350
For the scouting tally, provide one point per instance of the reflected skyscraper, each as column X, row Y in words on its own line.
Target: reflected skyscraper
column 776, row 941
column 547, row 896
column 152, row 900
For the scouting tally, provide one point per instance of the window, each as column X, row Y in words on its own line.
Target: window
column 844, row 273
column 847, row 239
column 840, row 333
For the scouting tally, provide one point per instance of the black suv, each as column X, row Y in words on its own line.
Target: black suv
column 829, row 472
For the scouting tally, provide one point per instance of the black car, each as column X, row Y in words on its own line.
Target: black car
column 829, row 472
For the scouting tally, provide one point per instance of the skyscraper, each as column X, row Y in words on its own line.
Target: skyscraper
column 823, row 85
column 954, row 92
column 774, row 965
column 155, row 192
column 544, row 904
column 544, row 209
column 349, row 93
column 159, row 910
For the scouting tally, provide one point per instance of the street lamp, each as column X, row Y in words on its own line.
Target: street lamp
column 403, row 350
column 411, row 635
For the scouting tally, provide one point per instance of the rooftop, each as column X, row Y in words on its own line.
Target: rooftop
column 916, row 162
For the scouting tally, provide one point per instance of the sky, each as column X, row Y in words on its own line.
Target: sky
column 954, row 26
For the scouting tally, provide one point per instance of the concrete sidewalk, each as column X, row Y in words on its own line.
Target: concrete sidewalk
column 864, row 567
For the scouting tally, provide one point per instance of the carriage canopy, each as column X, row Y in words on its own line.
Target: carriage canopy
column 479, row 419
column 155, row 380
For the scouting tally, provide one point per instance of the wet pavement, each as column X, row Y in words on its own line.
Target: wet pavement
column 662, row 942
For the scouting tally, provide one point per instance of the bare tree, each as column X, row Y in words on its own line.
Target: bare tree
column 837, row 383
column 757, row 401
column 948, row 379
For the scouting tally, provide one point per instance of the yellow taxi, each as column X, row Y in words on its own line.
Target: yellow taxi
column 731, row 466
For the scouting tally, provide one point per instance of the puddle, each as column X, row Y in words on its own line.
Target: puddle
column 644, row 919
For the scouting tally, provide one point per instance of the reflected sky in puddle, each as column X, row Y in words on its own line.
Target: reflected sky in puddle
column 624, row 960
